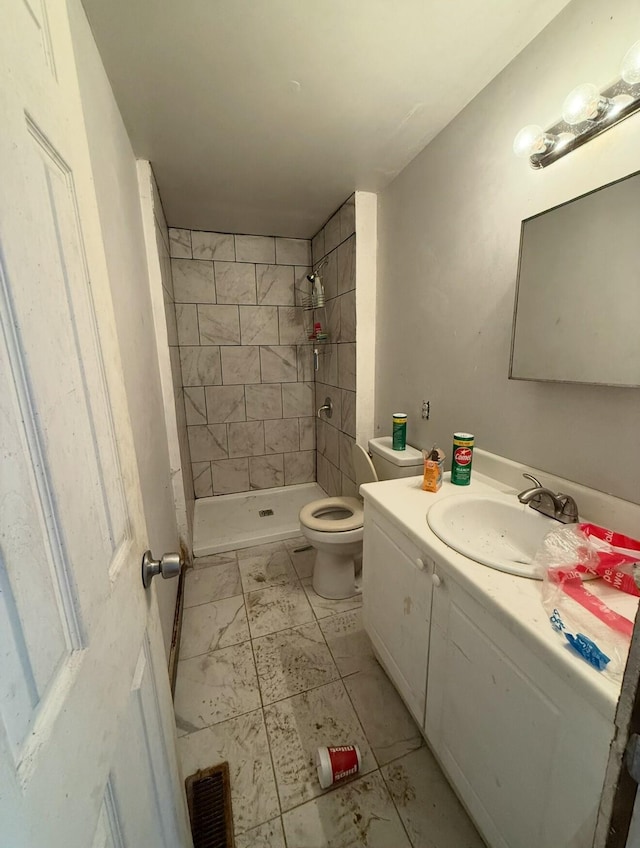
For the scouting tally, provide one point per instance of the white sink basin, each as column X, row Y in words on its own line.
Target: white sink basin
column 494, row 531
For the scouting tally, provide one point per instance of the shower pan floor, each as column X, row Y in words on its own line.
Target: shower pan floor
column 230, row 522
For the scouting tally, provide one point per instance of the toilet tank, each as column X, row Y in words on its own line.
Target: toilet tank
column 390, row 463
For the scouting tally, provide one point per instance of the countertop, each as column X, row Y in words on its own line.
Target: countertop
column 515, row 601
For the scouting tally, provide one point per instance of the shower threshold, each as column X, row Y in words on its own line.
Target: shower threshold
column 229, row 522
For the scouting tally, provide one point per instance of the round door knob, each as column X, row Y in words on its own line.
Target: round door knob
column 420, row 563
column 437, row 580
column 168, row 566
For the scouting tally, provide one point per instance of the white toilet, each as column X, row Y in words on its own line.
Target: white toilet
column 334, row 526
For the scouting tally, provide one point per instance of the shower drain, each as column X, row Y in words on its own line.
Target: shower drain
column 263, row 513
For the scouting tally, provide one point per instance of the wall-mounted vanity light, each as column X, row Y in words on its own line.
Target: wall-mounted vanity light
column 586, row 113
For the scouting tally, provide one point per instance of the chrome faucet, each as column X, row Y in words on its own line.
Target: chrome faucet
column 327, row 408
column 561, row 507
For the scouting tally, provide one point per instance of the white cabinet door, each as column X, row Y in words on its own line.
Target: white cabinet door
column 525, row 754
column 397, row 603
column 87, row 740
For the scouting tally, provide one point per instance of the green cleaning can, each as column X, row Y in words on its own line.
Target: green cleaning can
column 461, row 461
column 399, row 440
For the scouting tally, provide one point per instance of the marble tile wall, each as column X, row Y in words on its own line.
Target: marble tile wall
column 336, row 377
column 245, row 358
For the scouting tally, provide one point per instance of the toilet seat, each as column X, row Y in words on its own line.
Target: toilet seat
column 311, row 515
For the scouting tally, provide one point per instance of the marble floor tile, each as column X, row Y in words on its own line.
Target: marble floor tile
column 296, row 541
column 303, row 561
column 267, row 835
column 322, row 607
column 204, row 585
column 293, row 661
column 390, row 728
column 298, row 726
column 211, row 626
column 428, row 806
column 263, row 570
column 259, row 550
column 349, row 644
column 358, row 814
column 215, row 559
column 215, row 687
column 277, row 608
column 243, row 743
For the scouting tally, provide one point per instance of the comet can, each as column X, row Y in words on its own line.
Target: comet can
column 399, row 439
column 462, row 457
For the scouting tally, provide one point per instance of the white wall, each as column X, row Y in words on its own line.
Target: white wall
column 448, row 229
column 116, row 183
column 156, row 236
column 366, row 277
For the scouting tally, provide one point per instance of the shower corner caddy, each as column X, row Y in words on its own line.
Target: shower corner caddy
column 310, row 307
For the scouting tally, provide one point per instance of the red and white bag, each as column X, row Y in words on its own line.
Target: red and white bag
column 598, row 627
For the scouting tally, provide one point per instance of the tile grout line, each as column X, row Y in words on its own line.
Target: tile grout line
column 395, row 806
column 317, row 622
column 266, row 731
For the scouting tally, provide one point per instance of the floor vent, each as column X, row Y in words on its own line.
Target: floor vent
column 209, row 800
column 263, row 513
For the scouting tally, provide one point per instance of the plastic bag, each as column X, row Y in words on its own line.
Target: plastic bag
column 598, row 627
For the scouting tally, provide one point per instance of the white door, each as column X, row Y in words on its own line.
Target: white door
column 87, row 741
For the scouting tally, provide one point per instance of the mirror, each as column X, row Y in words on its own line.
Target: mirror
column 576, row 317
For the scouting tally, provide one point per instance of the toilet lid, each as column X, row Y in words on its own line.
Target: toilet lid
column 311, row 515
column 362, row 465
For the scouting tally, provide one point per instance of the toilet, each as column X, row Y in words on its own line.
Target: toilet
column 335, row 526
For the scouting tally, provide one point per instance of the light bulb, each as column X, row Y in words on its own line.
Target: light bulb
column 584, row 103
column 530, row 140
column 630, row 68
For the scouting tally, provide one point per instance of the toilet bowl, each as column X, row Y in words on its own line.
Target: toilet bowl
column 335, row 526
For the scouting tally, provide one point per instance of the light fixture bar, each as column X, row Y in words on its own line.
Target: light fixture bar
column 586, row 113
column 626, row 101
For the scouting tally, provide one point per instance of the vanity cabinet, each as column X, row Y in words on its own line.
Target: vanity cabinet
column 523, row 751
column 397, row 592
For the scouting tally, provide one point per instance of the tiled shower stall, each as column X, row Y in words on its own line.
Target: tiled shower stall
column 247, row 365
column 334, row 247
column 246, row 359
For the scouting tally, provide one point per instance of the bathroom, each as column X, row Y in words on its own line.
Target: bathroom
column 417, row 246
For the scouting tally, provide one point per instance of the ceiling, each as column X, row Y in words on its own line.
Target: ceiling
column 262, row 116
